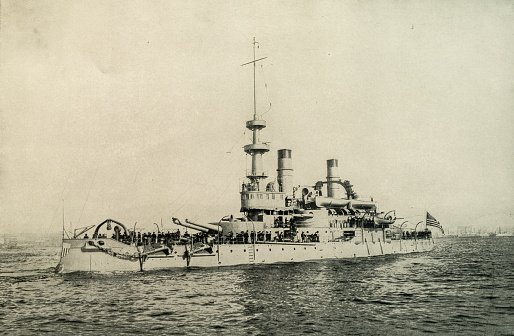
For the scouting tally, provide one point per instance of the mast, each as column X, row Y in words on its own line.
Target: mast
column 63, row 219
column 256, row 149
column 254, row 92
column 62, row 240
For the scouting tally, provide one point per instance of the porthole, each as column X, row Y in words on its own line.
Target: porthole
column 101, row 242
column 230, row 251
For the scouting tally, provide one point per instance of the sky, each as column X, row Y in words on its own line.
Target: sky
column 136, row 110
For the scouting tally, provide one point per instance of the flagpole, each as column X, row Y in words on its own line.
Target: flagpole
column 63, row 219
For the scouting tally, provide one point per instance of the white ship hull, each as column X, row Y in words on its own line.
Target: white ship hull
column 324, row 219
column 78, row 256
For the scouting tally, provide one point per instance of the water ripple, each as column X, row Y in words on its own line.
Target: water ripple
column 462, row 287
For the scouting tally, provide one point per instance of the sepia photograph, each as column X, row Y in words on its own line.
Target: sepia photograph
column 256, row 167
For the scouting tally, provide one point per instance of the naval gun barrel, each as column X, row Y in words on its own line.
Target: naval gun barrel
column 189, row 225
column 210, row 227
column 361, row 205
column 331, row 202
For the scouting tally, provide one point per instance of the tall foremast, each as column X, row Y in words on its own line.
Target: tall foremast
column 263, row 200
column 257, row 148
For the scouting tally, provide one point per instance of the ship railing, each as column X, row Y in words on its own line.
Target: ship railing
column 249, row 240
column 262, row 174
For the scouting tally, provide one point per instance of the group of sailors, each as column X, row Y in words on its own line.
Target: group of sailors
column 366, row 222
column 160, row 238
column 145, row 238
column 286, row 223
column 425, row 234
column 244, row 237
column 307, row 238
column 252, row 237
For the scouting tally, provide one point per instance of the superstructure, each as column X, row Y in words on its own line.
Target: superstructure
column 280, row 221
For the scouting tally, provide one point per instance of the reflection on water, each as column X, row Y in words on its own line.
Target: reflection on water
column 464, row 286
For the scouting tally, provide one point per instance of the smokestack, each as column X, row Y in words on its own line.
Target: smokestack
column 333, row 175
column 285, row 171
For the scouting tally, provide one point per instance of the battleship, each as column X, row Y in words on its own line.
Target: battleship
column 279, row 221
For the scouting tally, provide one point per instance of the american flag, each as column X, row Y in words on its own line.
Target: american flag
column 431, row 221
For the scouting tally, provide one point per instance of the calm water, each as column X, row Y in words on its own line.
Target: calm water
column 465, row 287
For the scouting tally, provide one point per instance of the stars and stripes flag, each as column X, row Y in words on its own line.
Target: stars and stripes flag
column 431, row 221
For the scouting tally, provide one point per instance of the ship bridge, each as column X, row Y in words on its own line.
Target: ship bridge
column 264, row 200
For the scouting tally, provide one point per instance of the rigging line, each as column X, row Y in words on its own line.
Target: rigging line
column 88, row 193
column 62, row 194
column 222, row 193
column 266, row 87
column 96, row 171
column 190, row 196
column 231, row 174
column 237, row 141
column 196, row 216
column 202, row 181
column 188, row 190
column 222, row 158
